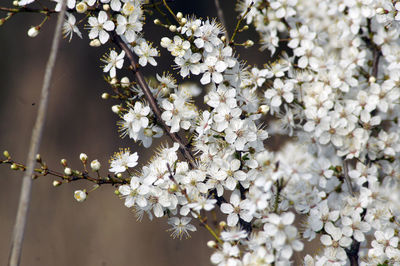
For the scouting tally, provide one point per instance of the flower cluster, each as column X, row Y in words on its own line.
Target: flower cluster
column 332, row 98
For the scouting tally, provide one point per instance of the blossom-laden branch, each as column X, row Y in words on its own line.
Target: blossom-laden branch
column 321, row 93
column 183, row 147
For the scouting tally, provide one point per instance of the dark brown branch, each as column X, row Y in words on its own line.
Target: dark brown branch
column 27, row 10
column 352, row 254
column 152, row 101
column 375, row 64
column 43, row 171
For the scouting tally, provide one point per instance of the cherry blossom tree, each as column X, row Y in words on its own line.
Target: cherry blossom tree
column 330, row 92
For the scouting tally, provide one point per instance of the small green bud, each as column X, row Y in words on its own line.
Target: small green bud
column 6, row 154
column 14, row 166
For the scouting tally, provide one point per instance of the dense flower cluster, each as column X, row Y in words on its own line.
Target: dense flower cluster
column 333, row 96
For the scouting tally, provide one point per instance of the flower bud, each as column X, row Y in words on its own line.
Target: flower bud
column 248, row 43
column 263, row 109
column 81, row 7
column 157, row 21
column 183, row 20
column 212, row 244
column 105, row 96
column 15, row 3
column 380, row 10
column 223, row 38
column 113, row 81
column 116, row 192
column 172, row 28
column 38, row 158
column 95, row 165
column 33, row 32
column 372, row 79
column 222, row 224
column 67, row 171
column 83, row 157
column 6, row 154
column 179, row 15
column 119, row 175
column 194, row 27
column 106, row 7
column 116, row 109
column 80, row 195
column 125, row 82
column 14, row 166
column 64, row 162
column 56, row 183
column 95, row 43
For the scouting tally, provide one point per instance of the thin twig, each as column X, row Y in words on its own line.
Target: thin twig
column 76, row 176
column 239, row 22
column 23, row 206
column 171, row 12
column 27, row 10
column 221, row 18
column 152, row 101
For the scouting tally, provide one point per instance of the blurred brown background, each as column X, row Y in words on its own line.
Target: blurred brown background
column 61, row 231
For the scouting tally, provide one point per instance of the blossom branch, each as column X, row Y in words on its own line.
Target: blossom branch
column 183, row 147
column 75, row 176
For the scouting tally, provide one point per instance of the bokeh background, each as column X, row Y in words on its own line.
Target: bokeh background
column 61, row 231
